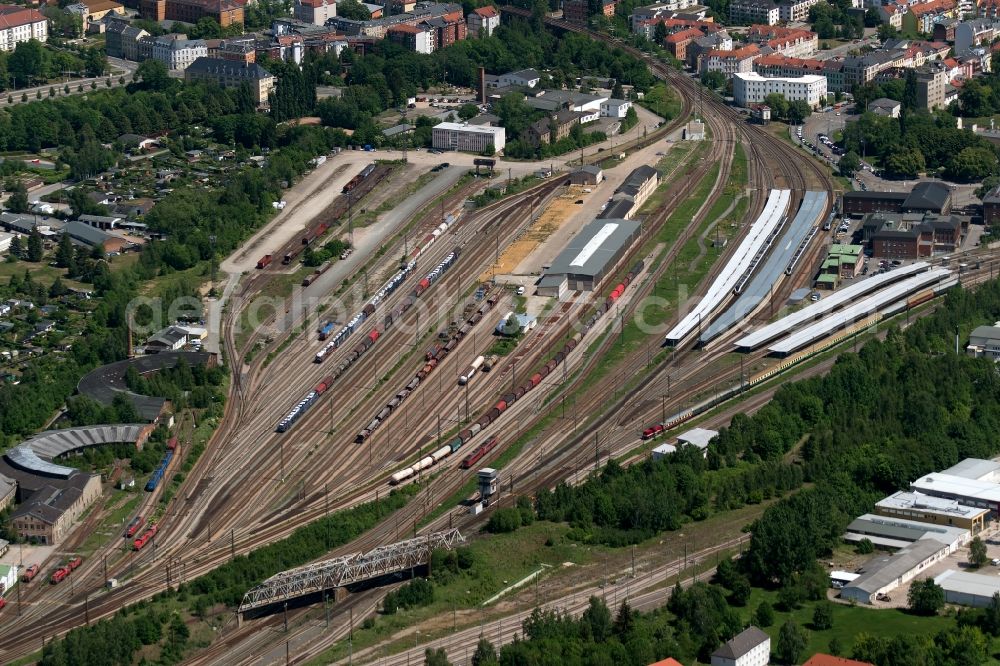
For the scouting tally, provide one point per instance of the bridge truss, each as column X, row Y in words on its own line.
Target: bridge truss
column 348, row 569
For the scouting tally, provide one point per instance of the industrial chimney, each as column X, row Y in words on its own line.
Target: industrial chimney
column 482, row 85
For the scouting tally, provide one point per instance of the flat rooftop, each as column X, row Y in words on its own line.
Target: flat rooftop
column 959, row 486
column 589, row 252
column 914, row 501
column 975, row 468
column 965, row 582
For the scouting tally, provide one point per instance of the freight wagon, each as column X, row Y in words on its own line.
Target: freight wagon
column 507, row 400
column 264, row 261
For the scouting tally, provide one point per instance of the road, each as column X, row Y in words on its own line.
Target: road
column 117, row 69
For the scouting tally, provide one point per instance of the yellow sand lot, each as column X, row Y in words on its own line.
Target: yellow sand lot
column 552, row 218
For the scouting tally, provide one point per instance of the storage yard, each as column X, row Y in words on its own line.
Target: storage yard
column 398, row 379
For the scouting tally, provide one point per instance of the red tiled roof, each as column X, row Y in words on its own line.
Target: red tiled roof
column 932, row 7
column 827, row 660
column 404, row 27
column 690, row 33
column 488, row 11
column 12, row 16
column 738, row 54
column 669, row 661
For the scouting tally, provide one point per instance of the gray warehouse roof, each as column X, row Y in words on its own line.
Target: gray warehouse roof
column 974, row 468
column 589, row 252
column 104, row 383
column 35, row 454
column 882, row 571
column 905, row 530
column 86, row 234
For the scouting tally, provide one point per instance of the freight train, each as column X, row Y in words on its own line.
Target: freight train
column 264, row 261
column 471, row 370
column 354, row 182
column 303, row 406
column 387, row 290
column 158, row 473
column 309, row 279
column 315, row 233
column 433, row 357
column 508, row 399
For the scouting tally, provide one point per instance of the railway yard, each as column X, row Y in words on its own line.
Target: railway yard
column 385, row 375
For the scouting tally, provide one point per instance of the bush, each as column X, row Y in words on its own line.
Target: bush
column 419, row 592
column 504, row 520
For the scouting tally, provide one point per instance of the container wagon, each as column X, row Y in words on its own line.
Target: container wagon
column 471, row 370
column 303, row 405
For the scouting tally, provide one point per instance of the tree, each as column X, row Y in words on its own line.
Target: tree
column 617, row 92
column 16, row 248
column 35, row 249
column 504, row 520
column 436, row 657
column 153, row 75
column 791, row 643
column 713, row 80
column 763, row 615
column 865, row 546
column 886, row 31
column 977, row 552
column 485, row 654
column 352, row 9
column 95, row 62
column 822, row 616
column 972, row 165
column 660, row 32
column 17, row 202
column 468, row 111
column 925, row 597
column 29, row 61
column 65, row 254
column 905, row 163
column 849, row 164
column 798, row 111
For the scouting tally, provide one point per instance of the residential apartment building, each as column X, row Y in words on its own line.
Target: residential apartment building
column 19, row 24
column 747, row 12
column 931, row 82
column 483, row 21
column 730, row 62
column 316, row 12
column 678, row 42
column 973, row 33
column 468, row 138
column 377, row 28
column 227, row 74
column 922, row 17
column 713, row 41
column 790, row 42
column 177, row 52
column 226, row 12
column 752, row 88
column 122, row 40
column 751, row 647
column 796, row 10
column 660, row 10
column 778, row 65
column 414, row 38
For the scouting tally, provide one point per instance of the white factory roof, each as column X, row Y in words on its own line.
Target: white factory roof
column 965, row 582
column 755, row 77
column 857, row 311
column 466, row 127
column 699, row 437
column 843, row 575
column 914, row 500
column 975, row 468
column 594, row 244
column 663, row 449
column 949, row 484
column 819, row 308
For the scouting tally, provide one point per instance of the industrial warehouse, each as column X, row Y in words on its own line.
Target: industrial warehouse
column 589, row 257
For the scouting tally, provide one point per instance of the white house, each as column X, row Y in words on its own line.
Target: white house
column 19, row 24
column 522, row 77
column 8, row 577
column 483, row 20
column 615, row 108
column 751, row 647
column 751, row 88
